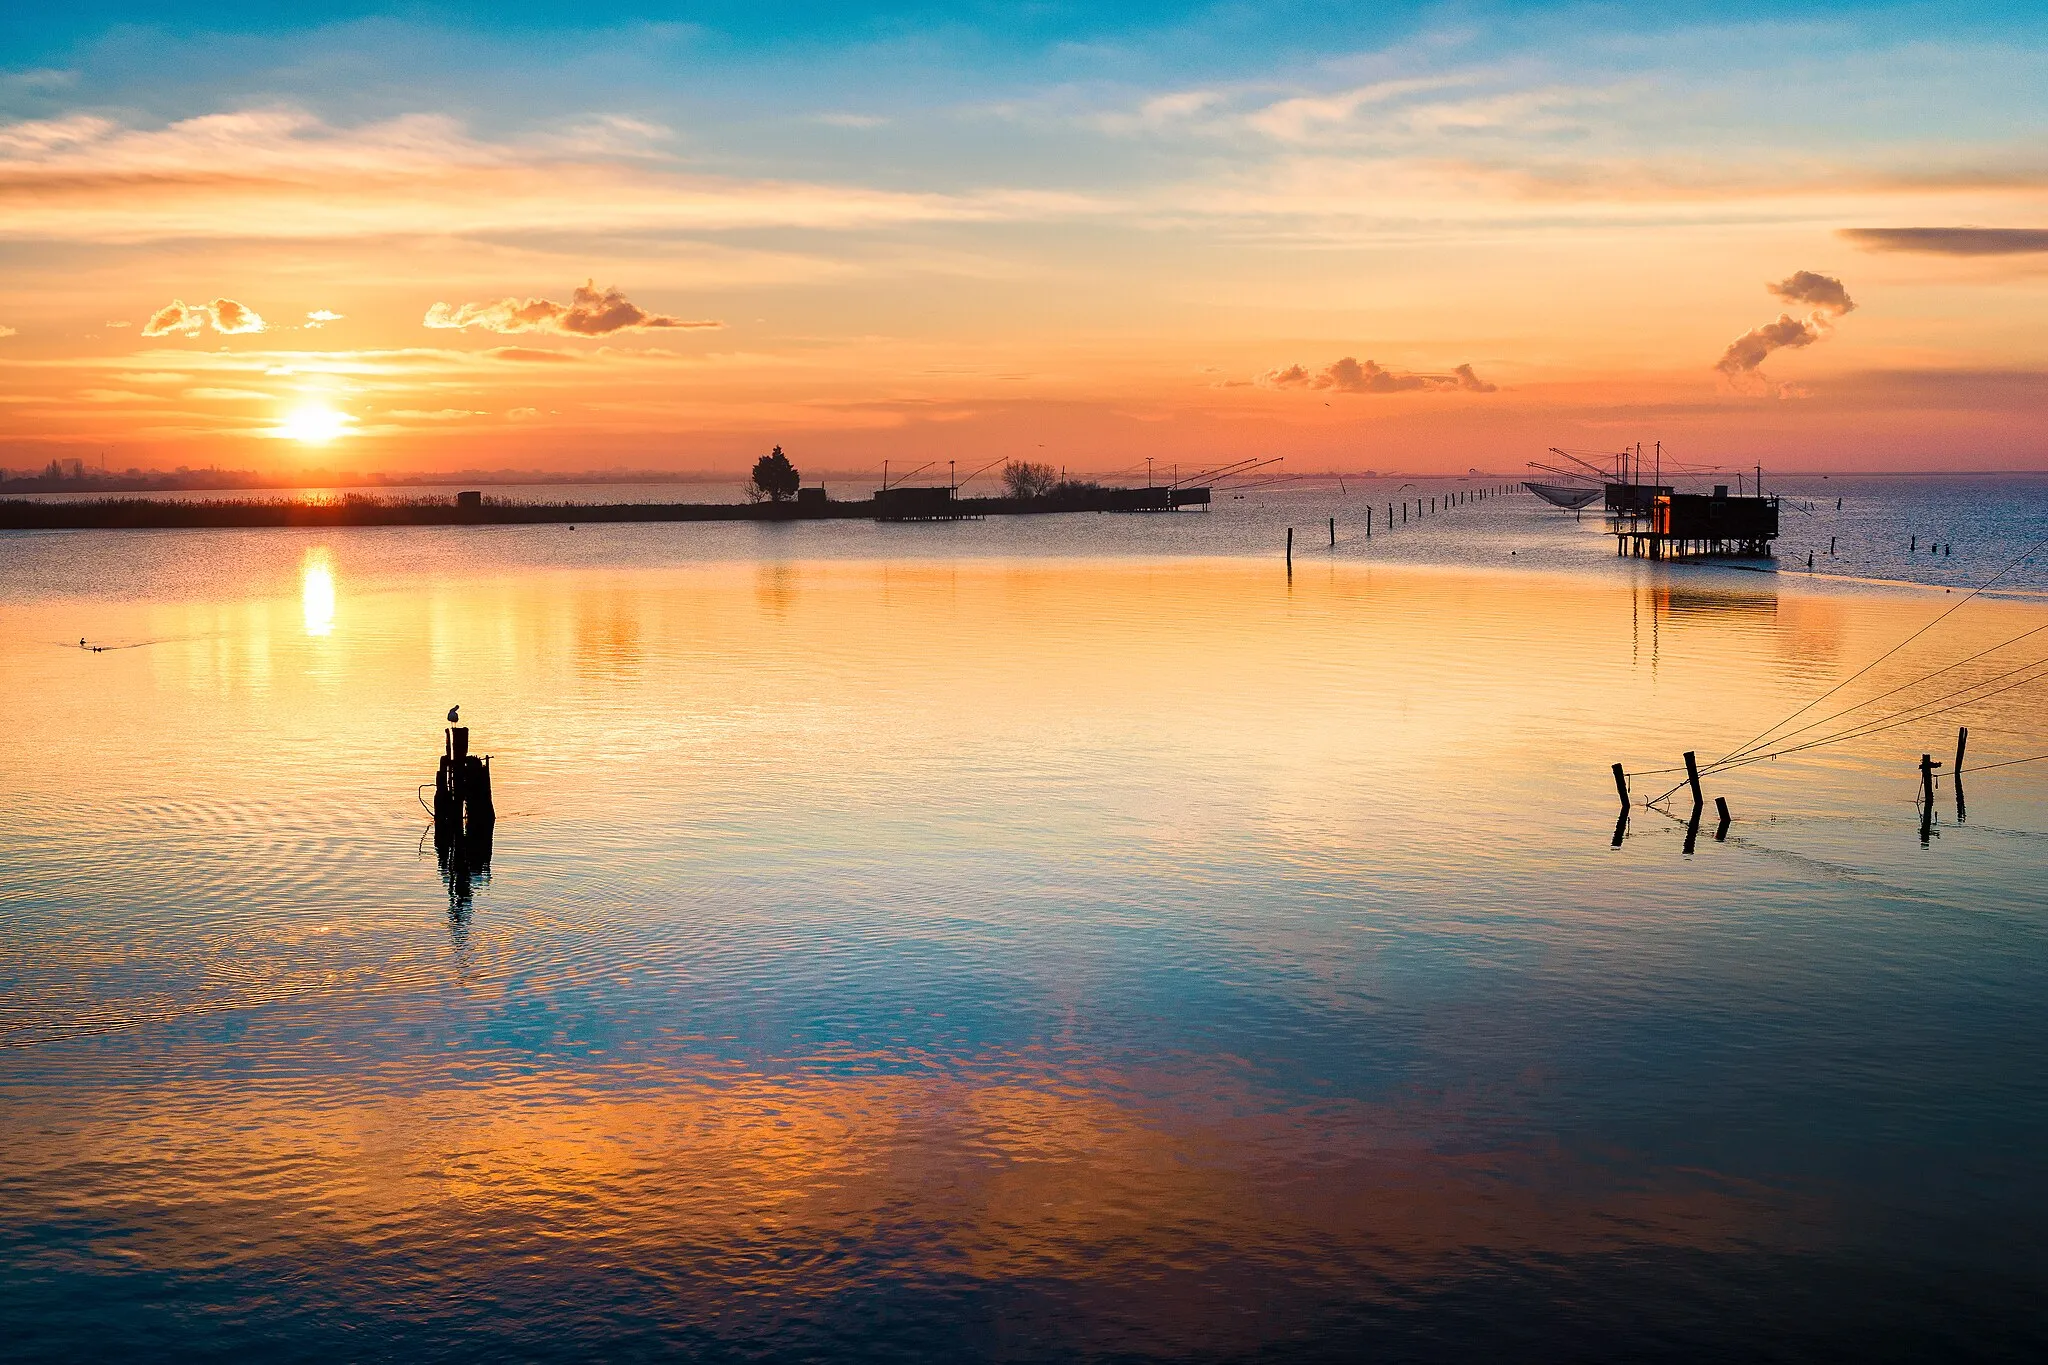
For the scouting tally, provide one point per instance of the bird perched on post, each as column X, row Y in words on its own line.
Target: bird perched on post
column 451, row 712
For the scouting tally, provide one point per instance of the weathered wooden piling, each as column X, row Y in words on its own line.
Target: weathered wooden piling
column 1692, row 775
column 1621, row 786
column 464, row 811
column 1368, row 521
column 1290, row 549
column 1927, row 767
column 1333, row 533
column 1831, row 547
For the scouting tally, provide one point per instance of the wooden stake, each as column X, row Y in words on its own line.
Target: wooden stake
column 1621, row 786
column 1927, row 767
column 1692, row 775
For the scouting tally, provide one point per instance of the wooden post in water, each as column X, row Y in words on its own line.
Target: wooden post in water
column 1927, row 767
column 1831, row 547
column 1333, row 533
column 1692, row 775
column 464, row 812
column 1368, row 521
column 1956, row 777
column 1621, row 787
column 1290, row 549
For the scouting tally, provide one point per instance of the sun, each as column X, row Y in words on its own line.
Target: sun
column 313, row 424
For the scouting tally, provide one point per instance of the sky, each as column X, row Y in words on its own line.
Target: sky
column 1406, row 237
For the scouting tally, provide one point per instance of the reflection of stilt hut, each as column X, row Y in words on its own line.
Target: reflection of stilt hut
column 464, row 816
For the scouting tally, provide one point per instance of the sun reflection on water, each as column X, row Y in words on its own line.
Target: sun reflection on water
column 316, row 591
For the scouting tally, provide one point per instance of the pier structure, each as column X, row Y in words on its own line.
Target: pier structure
column 1686, row 525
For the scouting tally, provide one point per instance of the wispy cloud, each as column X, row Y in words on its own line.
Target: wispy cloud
column 590, row 312
column 282, row 173
column 1350, row 375
column 1952, row 241
column 1304, row 117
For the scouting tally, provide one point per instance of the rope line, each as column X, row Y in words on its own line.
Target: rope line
column 1903, row 687
column 1866, row 726
column 1872, row 728
column 1987, row 767
column 1985, row 586
column 1737, row 757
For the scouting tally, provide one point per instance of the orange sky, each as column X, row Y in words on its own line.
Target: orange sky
column 1087, row 272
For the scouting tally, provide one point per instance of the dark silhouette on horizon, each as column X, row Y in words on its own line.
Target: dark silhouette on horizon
column 775, row 478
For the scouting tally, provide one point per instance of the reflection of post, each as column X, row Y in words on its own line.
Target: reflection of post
column 1620, row 826
column 1692, row 831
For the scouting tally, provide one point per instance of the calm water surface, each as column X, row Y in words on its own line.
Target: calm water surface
column 918, row 943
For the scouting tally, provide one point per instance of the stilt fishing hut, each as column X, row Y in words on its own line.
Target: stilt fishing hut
column 1684, row 524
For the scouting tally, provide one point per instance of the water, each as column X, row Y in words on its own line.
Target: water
column 1071, row 937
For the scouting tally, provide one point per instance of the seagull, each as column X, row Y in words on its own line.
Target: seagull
column 451, row 712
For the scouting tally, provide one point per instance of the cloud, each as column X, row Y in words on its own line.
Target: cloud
column 231, row 318
column 590, row 312
column 320, row 317
column 1354, row 376
column 8, row 332
column 178, row 318
column 1742, row 362
column 1952, row 241
column 531, row 355
column 282, row 174
column 1823, row 292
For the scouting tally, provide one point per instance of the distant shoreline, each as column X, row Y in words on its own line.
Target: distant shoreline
column 248, row 481
column 912, row 504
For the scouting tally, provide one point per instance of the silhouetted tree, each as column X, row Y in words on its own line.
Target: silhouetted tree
column 775, row 478
column 1023, row 479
